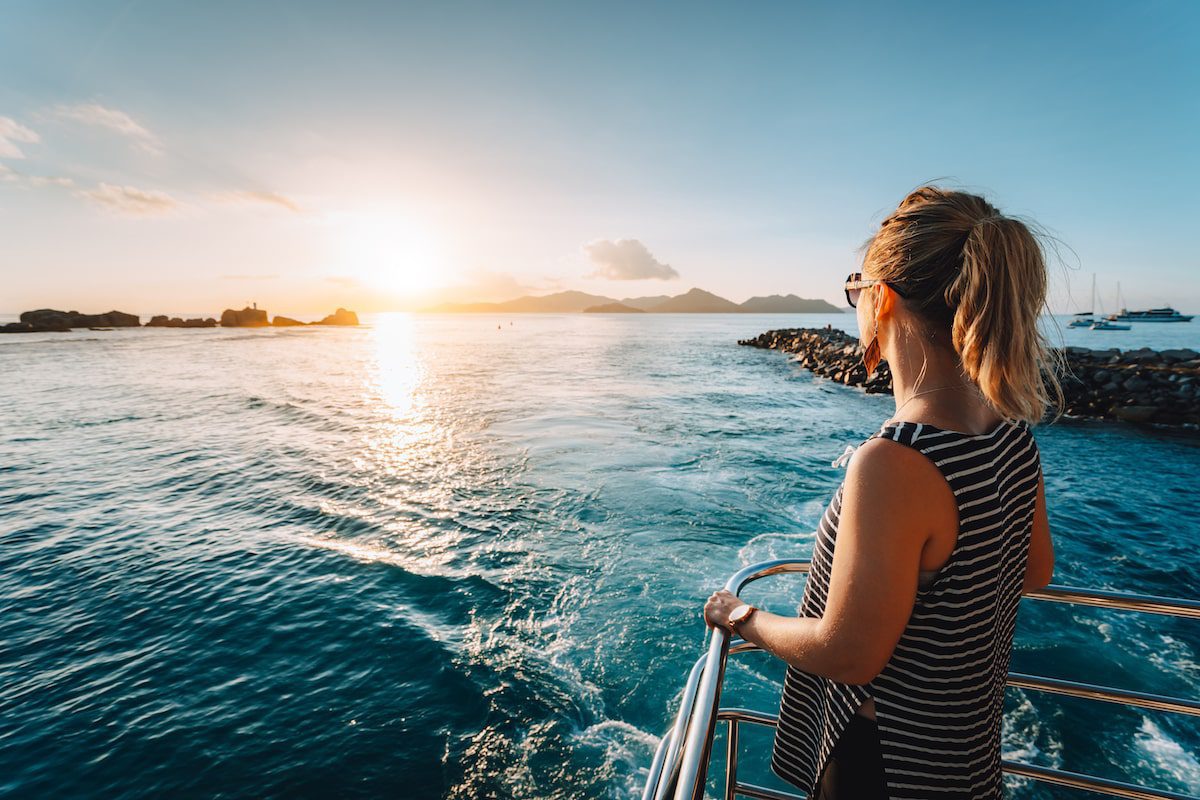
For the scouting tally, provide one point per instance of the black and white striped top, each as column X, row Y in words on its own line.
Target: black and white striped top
column 939, row 700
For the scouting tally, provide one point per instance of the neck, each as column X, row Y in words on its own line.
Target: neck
column 908, row 355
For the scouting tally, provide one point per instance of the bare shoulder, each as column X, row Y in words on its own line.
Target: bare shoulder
column 886, row 470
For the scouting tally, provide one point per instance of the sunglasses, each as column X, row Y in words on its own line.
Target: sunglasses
column 855, row 283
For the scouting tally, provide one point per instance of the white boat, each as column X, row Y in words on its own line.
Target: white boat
column 1108, row 325
column 1166, row 314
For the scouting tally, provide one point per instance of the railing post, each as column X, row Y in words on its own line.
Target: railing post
column 731, row 752
column 698, row 746
column 693, row 773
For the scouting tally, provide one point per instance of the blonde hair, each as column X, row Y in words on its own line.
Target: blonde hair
column 967, row 269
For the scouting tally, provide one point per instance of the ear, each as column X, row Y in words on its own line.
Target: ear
column 885, row 300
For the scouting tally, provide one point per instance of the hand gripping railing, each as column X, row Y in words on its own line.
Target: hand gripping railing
column 680, row 766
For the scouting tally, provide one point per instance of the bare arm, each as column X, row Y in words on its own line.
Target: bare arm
column 1040, row 567
column 892, row 497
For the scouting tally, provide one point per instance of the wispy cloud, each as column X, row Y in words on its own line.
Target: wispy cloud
column 10, row 175
column 130, row 200
column 345, row 281
column 49, row 180
column 626, row 260
column 262, row 198
column 249, row 277
column 13, row 134
column 110, row 119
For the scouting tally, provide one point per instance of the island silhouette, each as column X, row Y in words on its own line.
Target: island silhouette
column 51, row 320
column 694, row 301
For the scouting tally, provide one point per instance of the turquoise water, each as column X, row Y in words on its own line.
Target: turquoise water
column 446, row 556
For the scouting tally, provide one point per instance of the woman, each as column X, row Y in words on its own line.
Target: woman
column 897, row 663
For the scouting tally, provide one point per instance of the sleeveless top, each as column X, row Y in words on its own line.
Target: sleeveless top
column 939, row 700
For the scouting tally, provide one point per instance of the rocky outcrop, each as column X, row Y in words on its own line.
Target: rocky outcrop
column 47, row 319
column 163, row 321
column 25, row 327
column 828, row 352
column 50, row 319
column 246, row 318
column 339, row 317
column 1143, row 385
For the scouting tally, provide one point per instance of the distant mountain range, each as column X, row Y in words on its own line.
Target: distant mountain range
column 696, row 301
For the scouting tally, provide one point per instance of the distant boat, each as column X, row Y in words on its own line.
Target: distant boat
column 1108, row 325
column 1084, row 319
column 1165, row 314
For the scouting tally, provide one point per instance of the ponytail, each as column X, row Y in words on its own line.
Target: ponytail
column 981, row 275
column 997, row 298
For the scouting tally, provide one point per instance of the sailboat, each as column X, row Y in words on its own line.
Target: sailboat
column 1083, row 319
column 1109, row 323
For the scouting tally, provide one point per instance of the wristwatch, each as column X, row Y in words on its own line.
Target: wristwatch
column 739, row 615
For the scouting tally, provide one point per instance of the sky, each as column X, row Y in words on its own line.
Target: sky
column 174, row 157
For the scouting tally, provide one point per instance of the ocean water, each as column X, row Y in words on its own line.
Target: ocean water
column 465, row 556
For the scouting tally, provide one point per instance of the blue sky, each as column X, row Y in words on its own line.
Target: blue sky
column 185, row 157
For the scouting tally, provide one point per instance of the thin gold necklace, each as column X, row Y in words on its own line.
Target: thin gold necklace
column 915, row 395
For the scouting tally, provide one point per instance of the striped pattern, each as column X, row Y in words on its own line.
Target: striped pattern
column 939, row 700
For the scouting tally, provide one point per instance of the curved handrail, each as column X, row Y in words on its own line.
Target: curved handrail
column 694, row 768
column 699, row 710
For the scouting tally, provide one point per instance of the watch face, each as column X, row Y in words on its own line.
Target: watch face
column 739, row 613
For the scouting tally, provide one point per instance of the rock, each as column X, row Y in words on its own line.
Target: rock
column 1172, row 356
column 285, row 322
column 246, row 318
column 51, row 319
column 1135, row 384
column 25, row 327
column 1135, row 413
column 1143, row 355
column 340, row 317
column 162, row 321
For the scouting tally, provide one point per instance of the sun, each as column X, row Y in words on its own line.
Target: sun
column 390, row 251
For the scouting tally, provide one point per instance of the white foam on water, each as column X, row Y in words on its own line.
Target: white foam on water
column 1177, row 658
column 1105, row 629
column 628, row 751
column 1160, row 753
column 771, row 546
column 1026, row 738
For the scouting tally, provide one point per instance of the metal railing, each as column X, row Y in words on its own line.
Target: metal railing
column 680, row 766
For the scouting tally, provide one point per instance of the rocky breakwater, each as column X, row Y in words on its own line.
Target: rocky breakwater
column 49, row 319
column 1134, row 385
column 830, row 353
column 163, row 321
column 246, row 318
column 339, row 317
column 257, row 318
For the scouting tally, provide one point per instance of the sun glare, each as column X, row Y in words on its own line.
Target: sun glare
column 392, row 252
